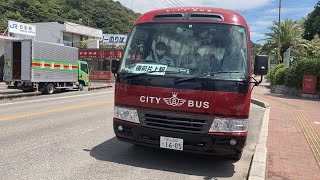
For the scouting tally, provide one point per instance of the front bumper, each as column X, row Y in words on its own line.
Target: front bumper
column 194, row 143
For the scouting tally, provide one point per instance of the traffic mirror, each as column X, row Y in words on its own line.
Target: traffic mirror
column 261, row 65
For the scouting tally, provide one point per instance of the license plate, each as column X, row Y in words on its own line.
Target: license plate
column 171, row 143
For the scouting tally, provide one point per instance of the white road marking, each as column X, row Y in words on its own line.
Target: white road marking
column 54, row 98
column 90, row 130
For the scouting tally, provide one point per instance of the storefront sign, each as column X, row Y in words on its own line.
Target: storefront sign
column 21, row 28
column 97, row 53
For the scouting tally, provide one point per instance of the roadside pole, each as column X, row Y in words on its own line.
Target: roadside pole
column 37, row 87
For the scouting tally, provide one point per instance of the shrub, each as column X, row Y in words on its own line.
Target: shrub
column 279, row 76
column 271, row 74
column 293, row 76
column 299, row 68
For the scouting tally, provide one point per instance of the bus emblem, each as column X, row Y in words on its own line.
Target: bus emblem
column 174, row 100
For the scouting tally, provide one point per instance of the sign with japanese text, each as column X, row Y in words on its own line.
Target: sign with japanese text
column 21, row 28
column 154, row 69
column 100, row 53
column 111, row 39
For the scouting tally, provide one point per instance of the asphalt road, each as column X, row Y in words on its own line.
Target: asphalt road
column 70, row 136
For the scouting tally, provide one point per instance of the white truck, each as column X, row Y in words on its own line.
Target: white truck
column 31, row 65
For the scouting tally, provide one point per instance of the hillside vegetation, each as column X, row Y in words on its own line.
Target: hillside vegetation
column 107, row 15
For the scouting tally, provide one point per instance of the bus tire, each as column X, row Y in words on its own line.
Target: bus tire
column 237, row 156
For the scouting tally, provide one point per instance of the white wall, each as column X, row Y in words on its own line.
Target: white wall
column 50, row 32
column 53, row 32
column 93, row 43
column 84, row 30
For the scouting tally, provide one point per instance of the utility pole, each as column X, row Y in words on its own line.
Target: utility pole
column 279, row 33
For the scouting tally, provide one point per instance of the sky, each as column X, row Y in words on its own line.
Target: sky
column 258, row 13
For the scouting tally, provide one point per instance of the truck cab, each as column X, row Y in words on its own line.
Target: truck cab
column 83, row 74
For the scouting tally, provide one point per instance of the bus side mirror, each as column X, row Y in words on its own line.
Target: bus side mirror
column 114, row 66
column 261, row 65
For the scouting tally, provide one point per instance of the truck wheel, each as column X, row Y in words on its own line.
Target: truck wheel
column 50, row 89
column 80, row 87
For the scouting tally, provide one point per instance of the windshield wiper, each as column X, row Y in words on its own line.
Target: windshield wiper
column 203, row 75
column 128, row 76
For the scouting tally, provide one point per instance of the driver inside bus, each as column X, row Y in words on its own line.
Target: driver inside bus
column 159, row 55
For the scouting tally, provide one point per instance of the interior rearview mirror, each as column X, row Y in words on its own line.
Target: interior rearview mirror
column 114, row 66
column 261, row 65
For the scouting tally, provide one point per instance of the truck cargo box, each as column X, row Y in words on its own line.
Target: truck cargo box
column 35, row 61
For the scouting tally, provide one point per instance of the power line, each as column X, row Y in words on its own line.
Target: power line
column 181, row 2
column 166, row 3
column 177, row 2
column 279, row 32
column 174, row 4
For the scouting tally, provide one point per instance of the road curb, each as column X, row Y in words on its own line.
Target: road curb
column 259, row 161
column 100, row 87
column 19, row 95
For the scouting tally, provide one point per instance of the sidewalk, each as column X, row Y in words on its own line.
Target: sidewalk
column 293, row 141
column 99, row 85
column 15, row 93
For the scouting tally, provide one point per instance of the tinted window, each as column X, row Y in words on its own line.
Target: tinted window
column 191, row 48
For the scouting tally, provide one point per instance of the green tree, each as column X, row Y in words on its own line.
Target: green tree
column 84, row 44
column 314, row 47
column 255, row 48
column 312, row 24
column 291, row 36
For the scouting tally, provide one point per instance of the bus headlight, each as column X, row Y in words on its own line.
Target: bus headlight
column 126, row 114
column 229, row 125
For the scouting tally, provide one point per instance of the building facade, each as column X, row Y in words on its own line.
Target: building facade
column 99, row 62
column 67, row 33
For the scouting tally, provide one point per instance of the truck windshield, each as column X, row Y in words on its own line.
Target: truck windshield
column 84, row 67
column 189, row 49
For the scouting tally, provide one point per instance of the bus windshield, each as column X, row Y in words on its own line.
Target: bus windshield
column 187, row 50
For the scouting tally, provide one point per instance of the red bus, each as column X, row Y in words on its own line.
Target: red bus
column 184, row 81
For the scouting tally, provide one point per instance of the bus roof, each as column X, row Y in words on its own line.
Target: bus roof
column 218, row 15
